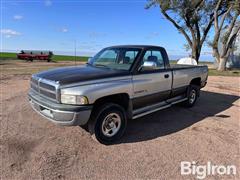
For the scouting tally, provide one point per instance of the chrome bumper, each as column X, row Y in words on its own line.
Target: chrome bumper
column 61, row 117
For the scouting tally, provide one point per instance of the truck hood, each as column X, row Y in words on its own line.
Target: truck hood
column 74, row 74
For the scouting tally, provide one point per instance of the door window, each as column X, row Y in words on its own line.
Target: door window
column 154, row 57
column 131, row 55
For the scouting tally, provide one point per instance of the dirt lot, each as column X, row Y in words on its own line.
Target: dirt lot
column 153, row 146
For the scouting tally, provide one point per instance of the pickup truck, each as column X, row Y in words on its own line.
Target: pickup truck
column 118, row 84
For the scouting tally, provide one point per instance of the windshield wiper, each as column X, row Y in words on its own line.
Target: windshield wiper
column 101, row 65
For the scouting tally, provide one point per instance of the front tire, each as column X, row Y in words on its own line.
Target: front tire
column 108, row 123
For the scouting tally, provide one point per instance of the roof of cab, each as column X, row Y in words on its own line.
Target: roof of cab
column 135, row 46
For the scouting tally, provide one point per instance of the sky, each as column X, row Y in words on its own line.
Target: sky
column 59, row 25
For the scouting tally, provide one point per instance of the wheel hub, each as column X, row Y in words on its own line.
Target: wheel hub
column 111, row 124
column 192, row 96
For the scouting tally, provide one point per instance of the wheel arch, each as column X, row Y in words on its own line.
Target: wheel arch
column 196, row 81
column 121, row 99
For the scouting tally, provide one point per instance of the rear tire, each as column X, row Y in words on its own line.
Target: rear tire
column 192, row 95
column 108, row 123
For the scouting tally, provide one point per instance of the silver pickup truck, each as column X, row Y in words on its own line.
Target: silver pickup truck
column 119, row 83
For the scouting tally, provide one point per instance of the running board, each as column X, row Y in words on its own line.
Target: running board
column 181, row 100
column 153, row 108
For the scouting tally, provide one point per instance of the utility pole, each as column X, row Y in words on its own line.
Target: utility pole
column 75, row 52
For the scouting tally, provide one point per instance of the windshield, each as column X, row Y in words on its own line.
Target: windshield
column 115, row 58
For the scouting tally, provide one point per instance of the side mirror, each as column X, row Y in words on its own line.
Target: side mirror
column 148, row 65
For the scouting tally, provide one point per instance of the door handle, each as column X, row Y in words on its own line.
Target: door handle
column 166, row 75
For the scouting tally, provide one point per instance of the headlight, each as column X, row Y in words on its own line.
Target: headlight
column 73, row 99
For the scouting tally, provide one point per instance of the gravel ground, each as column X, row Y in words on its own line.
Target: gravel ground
column 152, row 147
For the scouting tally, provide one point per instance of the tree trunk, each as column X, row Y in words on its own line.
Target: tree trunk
column 195, row 54
column 222, row 64
column 216, row 54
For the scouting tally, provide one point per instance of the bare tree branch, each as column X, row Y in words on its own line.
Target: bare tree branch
column 216, row 14
column 208, row 26
column 224, row 17
column 206, row 29
column 187, row 20
column 233, row 37
column 228, row 34
column 177, row 26
column 218, row 28
column 198, row 4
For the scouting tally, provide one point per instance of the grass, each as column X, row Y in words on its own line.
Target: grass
column 233, row 72
column 6, row 56
column 69, row 58
column 13, row 56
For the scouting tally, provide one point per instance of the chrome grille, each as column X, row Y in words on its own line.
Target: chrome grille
column 35, row 81
column 47, row 86
column 34, row 86
column 44, row 87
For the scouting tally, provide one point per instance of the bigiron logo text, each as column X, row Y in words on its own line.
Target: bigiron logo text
column 209, row 169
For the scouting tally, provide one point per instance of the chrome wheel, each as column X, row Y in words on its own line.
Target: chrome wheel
column 192, row 96
column 111, row 124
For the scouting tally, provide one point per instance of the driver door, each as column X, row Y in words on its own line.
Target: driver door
column 152, row 84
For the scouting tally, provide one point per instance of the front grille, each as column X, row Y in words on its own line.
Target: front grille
column 48, row 94
column 35, row 81
column 47, row 86
column 44, row 87
column 34, row 86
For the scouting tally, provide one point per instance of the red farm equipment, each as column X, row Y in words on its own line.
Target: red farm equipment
column 35, row 55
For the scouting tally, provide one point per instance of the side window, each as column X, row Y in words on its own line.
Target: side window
column 130, row 56
column 155, row 57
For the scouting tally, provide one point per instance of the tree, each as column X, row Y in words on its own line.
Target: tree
column 192, row 18
column 226, row 28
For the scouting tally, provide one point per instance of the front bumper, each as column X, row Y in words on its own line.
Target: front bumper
column 61, row 114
